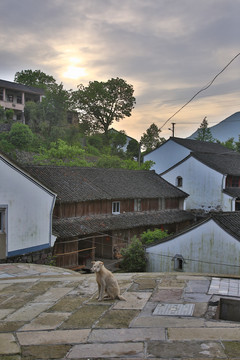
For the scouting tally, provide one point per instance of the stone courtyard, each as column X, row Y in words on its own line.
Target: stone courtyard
column 52, row 313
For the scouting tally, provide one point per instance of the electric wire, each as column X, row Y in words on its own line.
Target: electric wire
column 201, row 90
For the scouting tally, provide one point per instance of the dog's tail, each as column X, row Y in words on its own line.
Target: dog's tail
column 120, row 297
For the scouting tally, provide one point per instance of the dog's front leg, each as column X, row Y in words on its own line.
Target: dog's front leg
column 99, row 290
column 102, row 290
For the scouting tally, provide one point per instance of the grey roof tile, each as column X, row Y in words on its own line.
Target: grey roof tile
column 228, row 163
column 86, row 225
column 87, row 184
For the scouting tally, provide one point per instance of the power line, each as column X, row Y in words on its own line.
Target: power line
column 201, row 90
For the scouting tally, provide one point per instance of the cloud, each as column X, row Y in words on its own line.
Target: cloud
column 166, row 49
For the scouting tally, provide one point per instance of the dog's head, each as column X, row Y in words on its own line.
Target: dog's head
column 97, row 265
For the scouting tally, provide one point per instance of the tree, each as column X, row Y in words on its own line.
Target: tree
column 35, row 78
column 203, row 132
column 20, row 136
column 134, row 258
column 101, row 103
column 151, row 139
column 133, row 149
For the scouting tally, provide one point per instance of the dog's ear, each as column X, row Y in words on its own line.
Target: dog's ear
column 93, row 262
column 100, row 263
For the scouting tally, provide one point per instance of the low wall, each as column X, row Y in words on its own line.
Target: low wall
column 44, row 257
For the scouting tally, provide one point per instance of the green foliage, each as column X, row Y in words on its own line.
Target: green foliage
column 35, row 78
column 147, row 165
column 108, row 161
column 134, row 258
column 5, row 145
column 101, row 103
column 204, row 133
column 149, row 236
column 133, row 149
column 6, row 115
column 20, row 136
column 151, row 139
column 230, row 144
column 60, row 153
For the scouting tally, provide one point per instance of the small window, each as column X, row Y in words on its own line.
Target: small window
column 137, row 205
column 116, row 207
column 178, row 262
column 19, row 99
column 1, row 94
column 2, row 221
column 179, row 181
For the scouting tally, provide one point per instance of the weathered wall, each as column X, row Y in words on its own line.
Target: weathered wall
column 203, row 184
column 166, row 156
column 206, row 249
column 28, row 212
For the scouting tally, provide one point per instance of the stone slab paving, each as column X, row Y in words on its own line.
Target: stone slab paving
column 53, row 337
column 52, row 313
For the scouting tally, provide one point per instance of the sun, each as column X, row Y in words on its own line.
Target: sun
column 75, row 72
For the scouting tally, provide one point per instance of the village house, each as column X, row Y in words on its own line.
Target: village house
column 211, row 245
column 212, row 180
column 176, row 149
column 14, row 96
column 26, row 209
column 98, row 211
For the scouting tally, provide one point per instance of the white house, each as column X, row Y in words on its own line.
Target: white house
column 209, row 246
column 211, row 180
column 26, row 208
column 175, row 149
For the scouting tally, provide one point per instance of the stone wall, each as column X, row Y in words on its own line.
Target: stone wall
column 44, row 257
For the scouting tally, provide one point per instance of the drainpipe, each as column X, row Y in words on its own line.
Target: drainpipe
column 224, row 181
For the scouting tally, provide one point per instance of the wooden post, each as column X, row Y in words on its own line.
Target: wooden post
column 93, row 248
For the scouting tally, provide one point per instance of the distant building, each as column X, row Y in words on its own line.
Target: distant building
column 14, row 96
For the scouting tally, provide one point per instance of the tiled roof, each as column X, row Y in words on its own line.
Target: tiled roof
column 232, row 191
column 229, row 221
column 80, row 226
column 228, row 163
column 86, row 184
column 20, row 87
column 202, row 146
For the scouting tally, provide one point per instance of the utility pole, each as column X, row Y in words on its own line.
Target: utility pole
column 172, row 129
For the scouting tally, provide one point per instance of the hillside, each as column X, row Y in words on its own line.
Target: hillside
column 226, row 129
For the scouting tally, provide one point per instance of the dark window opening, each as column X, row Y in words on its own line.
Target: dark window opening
column 179, row 181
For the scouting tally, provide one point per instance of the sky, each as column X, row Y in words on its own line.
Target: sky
column 167, row 50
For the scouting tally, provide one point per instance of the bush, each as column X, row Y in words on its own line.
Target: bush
column 148, row 237
column 20, row 136
column 134, row 258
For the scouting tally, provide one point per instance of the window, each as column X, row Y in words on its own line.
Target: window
column 1, row 94
column 2, row 220
column 10, row 98
column 137, row 205
column 19, row 99
column 116, row 207
column 178, row 262
column 179, row 181
column 233, row 181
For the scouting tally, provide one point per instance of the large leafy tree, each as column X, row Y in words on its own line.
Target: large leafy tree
column 203, row 132
column 35, row 78
column 101, row 103
column 151, row 139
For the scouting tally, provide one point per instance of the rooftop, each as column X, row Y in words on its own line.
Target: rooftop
column 82, row 184
column 47, row 312
column 20, row 87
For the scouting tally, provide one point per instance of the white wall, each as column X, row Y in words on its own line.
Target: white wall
column 203, row 184
column 29, row 211
column 206, row 249
column 166, row 156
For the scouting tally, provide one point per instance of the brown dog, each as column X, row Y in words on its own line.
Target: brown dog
column 106, row 282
